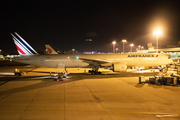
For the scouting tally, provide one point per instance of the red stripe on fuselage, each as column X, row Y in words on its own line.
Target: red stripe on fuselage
column 21, row 51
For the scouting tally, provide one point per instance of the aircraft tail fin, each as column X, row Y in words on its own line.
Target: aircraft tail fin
column 50, row 50
column 22, row 46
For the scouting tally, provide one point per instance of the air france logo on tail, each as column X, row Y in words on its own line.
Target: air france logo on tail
column 22, row 46
column 49, row 50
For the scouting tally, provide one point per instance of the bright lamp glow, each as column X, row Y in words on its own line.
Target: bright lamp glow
column 123, row 40
column 131, row 45
column 157, row 32
column 114, row 42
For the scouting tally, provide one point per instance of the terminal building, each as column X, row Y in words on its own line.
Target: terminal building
column 173, row 50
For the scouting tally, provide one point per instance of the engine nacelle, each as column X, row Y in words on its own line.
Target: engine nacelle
column 119, row 67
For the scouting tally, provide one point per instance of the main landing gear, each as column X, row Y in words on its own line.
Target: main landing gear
column 94, row 71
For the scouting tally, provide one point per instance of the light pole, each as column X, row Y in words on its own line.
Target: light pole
column 157, row 33
column 123, row 44
column 114, row 42
column 139, row 47
column 142, row 48
column 131, row 45
column 73, row 50
column 116, row 50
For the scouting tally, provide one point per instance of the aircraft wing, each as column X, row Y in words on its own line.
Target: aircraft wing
column 95, row 61
column 21, row 59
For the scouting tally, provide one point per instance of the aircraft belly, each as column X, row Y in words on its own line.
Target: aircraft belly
column 68, row 64
column 76, row 64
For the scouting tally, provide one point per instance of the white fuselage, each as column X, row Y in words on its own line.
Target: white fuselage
column 81, row 60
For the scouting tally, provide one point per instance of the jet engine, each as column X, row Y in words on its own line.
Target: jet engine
column 119, row 67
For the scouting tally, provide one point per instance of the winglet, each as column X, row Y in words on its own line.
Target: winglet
column 22, row 46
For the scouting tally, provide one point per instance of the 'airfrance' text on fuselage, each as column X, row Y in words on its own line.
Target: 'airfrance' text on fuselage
column 142, row 55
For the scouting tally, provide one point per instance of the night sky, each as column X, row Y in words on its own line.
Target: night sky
column 67, row 24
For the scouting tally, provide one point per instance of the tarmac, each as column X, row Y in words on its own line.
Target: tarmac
column 39, row 96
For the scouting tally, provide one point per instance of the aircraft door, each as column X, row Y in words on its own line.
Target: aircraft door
column 158, row 60
column 61, row 65
column 42, row 60
column 73, row 60
column 141, row 61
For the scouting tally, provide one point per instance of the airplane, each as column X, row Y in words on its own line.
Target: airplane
column 114, row 62
column 50, row 50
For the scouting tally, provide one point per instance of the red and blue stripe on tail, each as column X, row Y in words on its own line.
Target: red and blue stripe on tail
column 22, row 46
